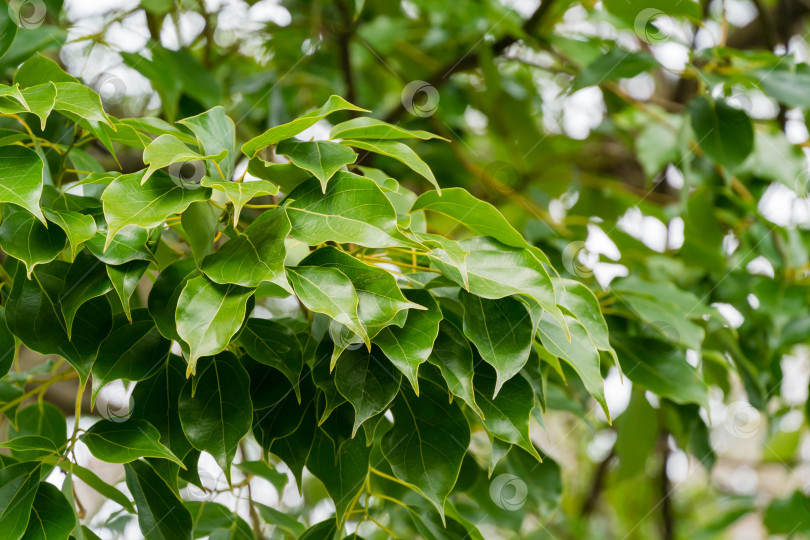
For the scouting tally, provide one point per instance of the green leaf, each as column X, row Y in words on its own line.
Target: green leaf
column 129, row 201
column 40, row 446
column 130, row 244
column 8, row 345
column 327, row 290
column 52, row 516
column 281, row 520
column 200, row 222
column 401, row 153
column 273, row 344
column 295, row 448
column 476, row 215
column 261, row 469
column 18, row 487
column 411, row 345
column 86, row 279
column 216, row 411
column 495, row 270
column 583, row 305
column 367, row 381
column 36, row 319
column 209, row 315
column 723, row 132
column 285, row 131
column 122, row 442
column 25, row 238
column 214, row 520
column 80, row 102
column 427, row 443
column 79, row 228
column 253, row 257
column 21, row 170
column 342, row 469
column 91, row 479
column 616, row 64
column 8, row 31
column 637, row 432
column 508, row 415
column 501, row 331
column 371, row 128
column 662, row 369
column 453, row 357
column 630, row 11
column 215, row 133
column 39, row 100
column 788, row 516
column 134, row 350
column 239, row 193
column 352, row 210
column 380, row 301
column 41, row 420
column 784, row 82
column 321, row 158
column 165, row 293
column 161, row 514
column 155, row 399
column 125, row 278
column 580, row 352
column 168, row 149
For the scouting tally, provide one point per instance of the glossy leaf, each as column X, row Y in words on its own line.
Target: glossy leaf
column 240, row 193
column 367, row 381
column 134, row 350
column 128, row 203
column 51, row 515
column 167, row 150
column 161, row 514
column 323, row 159
column 215, row 411
column 400, row 152
column 275, row 345
column 411, row 345
column 21, row 170
column 122, row 442
column 353, row 209
column 255, row 256
column 508, row 415
column 25, row 238
column 209, row 315
column 427, row 443
column 501, row 331
column 370, row 128
column 285, row 131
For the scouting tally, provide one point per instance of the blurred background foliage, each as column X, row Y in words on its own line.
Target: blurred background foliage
column 655, row 150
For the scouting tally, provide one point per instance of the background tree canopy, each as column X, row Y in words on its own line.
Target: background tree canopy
column 412, row 269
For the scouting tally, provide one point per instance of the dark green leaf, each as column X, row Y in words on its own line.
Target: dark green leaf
column 114, row 441
column 216, row 411
column 161, row 514
column 427, row 443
